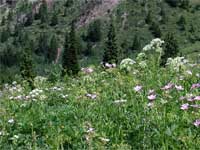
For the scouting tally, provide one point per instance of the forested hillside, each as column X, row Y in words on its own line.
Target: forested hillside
column 40, row 26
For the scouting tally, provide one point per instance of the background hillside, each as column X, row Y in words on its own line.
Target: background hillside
column 137, row 22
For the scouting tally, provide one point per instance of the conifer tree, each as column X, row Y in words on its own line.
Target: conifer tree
column 43, row 12
column 185, row 4
column 53, row 49
column 70, row 58
column 30, row 19
column 136, row 46
column 156, row 31
column 149, row 19
column 5, row 33
column 111, row 50
column 94, row 31
column 3, row 21
column 171, row 48
column 26, row 68
column 54, row 19
column 182, row 22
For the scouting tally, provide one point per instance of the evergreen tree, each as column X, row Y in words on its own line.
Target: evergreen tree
column 52, row 53
column 136, row 46
column 10, row 15
column 111, row 50
column 26, row 67
column 163, row 15
column 70, row 58
column 148, row 18
column 185, row 4
column 3, row 21
column 54, row 19
column 43, row 12
column 94, row 31
column 43, row 44
column 173, row 3
column 156, row 31
column 69, row 3
column 5, row 33
column 171, row 48
column 182, row 22
column 30, row 19
column 88, row 51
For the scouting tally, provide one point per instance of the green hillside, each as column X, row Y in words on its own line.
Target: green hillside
column 144, row 20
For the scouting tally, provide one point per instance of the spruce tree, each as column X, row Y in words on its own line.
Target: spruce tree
column 43, row 12
column 26, row 67
column 171, row 48
column 182, row 22
column 52, row 53
column 111, row 50
column 185, row 4
column 136, row 46
column 94, row 31
column 3, row 21
column 148, row 18
column 30, row 19
column 54, row 19
column 5, row 33
column 155, row 29
column 70, row 58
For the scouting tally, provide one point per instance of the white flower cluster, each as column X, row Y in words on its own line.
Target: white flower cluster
column 177, row 63
column 34, row 94
column 39, row 80
column 55, row 88
column 127, row 64
column 155, row 44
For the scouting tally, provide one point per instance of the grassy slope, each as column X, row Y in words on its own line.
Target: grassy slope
column 49, row 121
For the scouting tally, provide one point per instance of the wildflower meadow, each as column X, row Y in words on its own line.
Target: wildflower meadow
column 134, row 105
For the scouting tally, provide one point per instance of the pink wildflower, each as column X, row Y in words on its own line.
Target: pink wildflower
column 185, row 106
column 197, row 123
column 197, row 98
column 179, row 87
column 138, row 88
column 168, row 86
column 151, row 97
column 195, row 86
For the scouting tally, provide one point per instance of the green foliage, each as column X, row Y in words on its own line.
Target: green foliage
column 43, row 44
column 30, row 19
column 149, row 18
column 54, row 19
column 52, row 53
column 43, row 12
column 94, row 31
column 173, row 3
column 26, row 67
column 111, row 52
column 171, row 48
column 155, row 29
column 136, row 46
column 182, row 22
column 70, row 58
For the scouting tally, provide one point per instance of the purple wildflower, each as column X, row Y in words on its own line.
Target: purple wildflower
column 168, row 86
column 195, row 86
column 197, row 123
column 197, row 98
column 138, row 88
column 151, row 97
column 185, row 106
